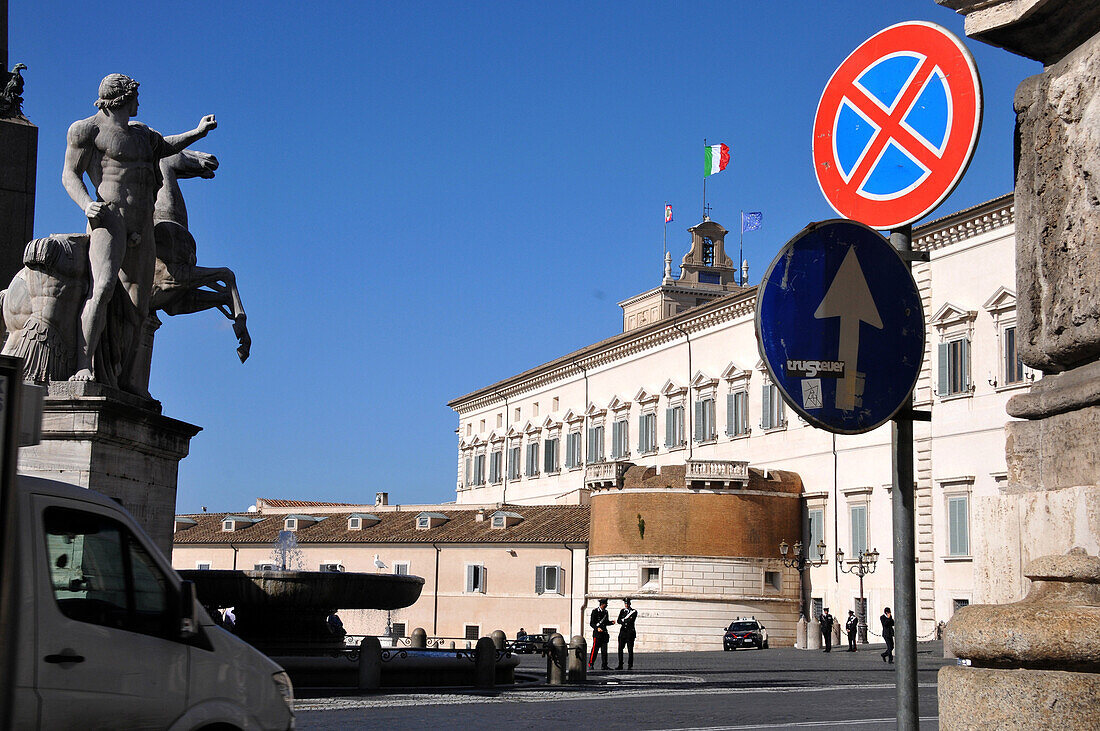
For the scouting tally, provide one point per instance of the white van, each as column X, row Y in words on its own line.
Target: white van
column 109, row 636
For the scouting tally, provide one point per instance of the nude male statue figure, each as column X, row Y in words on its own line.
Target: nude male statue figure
column 120, row 158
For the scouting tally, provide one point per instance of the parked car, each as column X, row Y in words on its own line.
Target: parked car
column 527, row 644
column 745, row 632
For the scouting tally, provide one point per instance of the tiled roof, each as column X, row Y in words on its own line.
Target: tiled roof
column 540, row 524
column 271, row 503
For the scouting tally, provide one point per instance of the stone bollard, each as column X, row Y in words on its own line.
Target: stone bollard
column 418, row 638
column 370, row 663
column 800, row 634
column 485, row 663
column 556, row 660
column 813, row 635
column 577, row 669
column 452, row 644
column 836, row 631
column 1035, row 664
column 498, row 638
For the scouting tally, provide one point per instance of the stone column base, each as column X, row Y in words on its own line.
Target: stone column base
column 985, row 698
column 114, row 443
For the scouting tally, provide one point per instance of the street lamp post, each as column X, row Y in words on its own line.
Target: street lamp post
column 799, row 561
column 860, row 566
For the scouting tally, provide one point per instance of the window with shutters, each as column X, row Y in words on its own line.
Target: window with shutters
column 674, row 427
column 595, row 443
column 704, row 420
column 858, row 528
column 548, row 579
column 475, row 579
column 495, row 460
column 550, row 456
column 620, row 438
column 815, row 520
column 401, row 568
column 1012, row 366
column 479, row 469
column 954, row 367
column 573, row 450
column 958, row 525
column 737, row 413
column 647, row 433
column 513, row 463
column 532, row 459
column 772, row 413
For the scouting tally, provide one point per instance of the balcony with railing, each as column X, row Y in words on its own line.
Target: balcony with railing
column 716, row 473
column 604, row 475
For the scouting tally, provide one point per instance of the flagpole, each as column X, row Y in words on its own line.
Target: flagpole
column 704, row 181
column 741, row 252
column 664, row 238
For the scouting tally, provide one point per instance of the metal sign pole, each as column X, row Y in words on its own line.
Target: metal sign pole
column 905, row 570
column 11, row 378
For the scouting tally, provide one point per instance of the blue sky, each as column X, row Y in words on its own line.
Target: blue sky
column 421, row 198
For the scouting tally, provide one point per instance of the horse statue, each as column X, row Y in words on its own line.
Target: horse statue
column 40, row 309
column 179, row 286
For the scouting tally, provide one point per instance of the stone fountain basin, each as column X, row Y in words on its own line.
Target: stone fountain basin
column 302, row 589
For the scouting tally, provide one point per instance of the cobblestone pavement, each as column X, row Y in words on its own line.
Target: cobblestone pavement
column 747, row 689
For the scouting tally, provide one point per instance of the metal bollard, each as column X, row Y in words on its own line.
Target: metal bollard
column 419, row 638
column 370, row 663
column 577, row 671
column 485, row 663
column 498, row 638
column 556, row 660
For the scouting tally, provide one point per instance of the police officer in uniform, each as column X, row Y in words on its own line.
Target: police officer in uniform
column 827, row 629
column 850, row 627
column 598, row 621
column 627, row 633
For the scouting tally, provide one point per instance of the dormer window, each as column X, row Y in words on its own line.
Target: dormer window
column 183, row 524
column 355, row 523
column 359, row 521
column 504, row 519
column 426, row 521
column 291, row 524
column 228, row 525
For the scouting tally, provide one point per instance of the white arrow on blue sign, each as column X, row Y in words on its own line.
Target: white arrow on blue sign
column 840, row 326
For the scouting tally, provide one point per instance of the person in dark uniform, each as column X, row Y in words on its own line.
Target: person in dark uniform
column 887, row 620
column 598, row 621
column 850, row 626
column 827, row 629
column 627, row 633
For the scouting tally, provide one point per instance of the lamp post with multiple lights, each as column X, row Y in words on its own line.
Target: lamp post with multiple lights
column 861, row 565
column 801, row 561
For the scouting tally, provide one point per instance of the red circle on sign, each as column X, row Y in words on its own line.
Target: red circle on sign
column 937, row 50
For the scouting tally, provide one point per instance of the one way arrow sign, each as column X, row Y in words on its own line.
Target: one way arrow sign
column 844, row 348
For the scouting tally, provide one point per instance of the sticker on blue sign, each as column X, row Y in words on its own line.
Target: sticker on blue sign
column 839, row 292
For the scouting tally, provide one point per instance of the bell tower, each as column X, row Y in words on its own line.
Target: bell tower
column 706, row 263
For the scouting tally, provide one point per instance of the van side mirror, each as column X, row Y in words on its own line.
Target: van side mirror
column 189, row 625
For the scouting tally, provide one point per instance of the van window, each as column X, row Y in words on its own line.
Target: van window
column 101, row 574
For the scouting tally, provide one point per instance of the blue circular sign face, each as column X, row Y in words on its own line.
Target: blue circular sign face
column 840, row 326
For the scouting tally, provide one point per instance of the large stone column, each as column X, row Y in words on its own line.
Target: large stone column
column 1051, row 501
column 114, row 443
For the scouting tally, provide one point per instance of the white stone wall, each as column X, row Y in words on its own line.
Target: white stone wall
column 971, row 267
column 696, row 599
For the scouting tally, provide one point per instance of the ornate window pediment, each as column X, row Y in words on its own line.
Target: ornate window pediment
column 594, row 411
column 617, row 404
column 671, row 389
column 572, row 417
column 645, row 397
column 733, row 373
column 702, row 380
column 951, row 315
column 1003, row 299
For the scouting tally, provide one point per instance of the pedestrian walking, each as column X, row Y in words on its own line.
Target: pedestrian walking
column 850, row 627
column 827, row 629
column 627, row 633
column 598, row 621
column 887, row 620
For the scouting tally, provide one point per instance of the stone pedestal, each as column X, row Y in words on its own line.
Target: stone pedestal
column 114, row 443
column 1034, row 663
column 19, row 153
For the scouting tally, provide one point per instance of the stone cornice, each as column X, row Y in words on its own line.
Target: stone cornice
column 935, row 235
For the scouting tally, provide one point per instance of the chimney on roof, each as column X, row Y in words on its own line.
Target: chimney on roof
column 381, row 498
column 480, row 515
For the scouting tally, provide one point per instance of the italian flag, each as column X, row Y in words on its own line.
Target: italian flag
column 717, row 157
